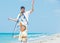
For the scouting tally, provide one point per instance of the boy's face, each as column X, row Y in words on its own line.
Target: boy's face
column 22, row 10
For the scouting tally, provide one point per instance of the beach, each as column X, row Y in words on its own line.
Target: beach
column 33, row 38
column 54, row 38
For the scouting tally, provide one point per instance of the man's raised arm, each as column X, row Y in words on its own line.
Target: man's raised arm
column 32, row 9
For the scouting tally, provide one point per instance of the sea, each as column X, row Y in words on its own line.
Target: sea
column 8, row 37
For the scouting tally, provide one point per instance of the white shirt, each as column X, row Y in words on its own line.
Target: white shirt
column 26, row 14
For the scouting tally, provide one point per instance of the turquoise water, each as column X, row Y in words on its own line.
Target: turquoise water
column 7, row 37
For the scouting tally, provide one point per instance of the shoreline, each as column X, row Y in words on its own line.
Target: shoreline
column 54, row 38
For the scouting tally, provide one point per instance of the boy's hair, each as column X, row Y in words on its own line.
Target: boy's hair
column 22, row 7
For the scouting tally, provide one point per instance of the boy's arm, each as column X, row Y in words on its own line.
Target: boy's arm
column 32, row 9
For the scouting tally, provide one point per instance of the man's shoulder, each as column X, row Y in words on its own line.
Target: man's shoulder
column 26, row 11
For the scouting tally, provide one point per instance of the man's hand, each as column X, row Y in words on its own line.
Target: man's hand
column 32, row 3
column 12, row 19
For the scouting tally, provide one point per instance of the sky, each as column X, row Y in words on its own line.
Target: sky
column 44, row 19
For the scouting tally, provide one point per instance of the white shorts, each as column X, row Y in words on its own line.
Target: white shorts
column 23, row 34
column 23, row 23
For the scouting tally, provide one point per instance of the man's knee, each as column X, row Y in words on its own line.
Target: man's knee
column 23, row 28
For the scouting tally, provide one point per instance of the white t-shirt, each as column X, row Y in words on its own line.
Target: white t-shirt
column 26, row 14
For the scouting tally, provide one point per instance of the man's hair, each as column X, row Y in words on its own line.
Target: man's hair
column 22, row 7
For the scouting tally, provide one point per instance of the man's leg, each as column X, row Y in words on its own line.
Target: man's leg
column 24, row 39
column 23, row 28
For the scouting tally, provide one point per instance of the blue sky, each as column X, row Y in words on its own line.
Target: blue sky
column 44, row 19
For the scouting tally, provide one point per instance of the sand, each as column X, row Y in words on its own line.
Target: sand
column 54, row 38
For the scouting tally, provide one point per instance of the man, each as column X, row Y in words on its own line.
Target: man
column 23, row 21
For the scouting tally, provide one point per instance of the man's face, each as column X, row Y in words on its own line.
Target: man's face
column 22, row 10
